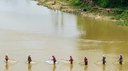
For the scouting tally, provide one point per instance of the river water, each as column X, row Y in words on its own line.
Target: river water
column 29, row 29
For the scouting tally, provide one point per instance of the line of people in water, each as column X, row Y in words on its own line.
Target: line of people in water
column 29, row 60
column 120, row 59
column 86, row 60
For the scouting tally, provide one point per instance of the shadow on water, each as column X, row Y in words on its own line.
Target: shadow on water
column 29, row 67
column 120, row 67
column 6, row 66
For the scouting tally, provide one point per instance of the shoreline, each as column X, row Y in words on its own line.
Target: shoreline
column 65, row 7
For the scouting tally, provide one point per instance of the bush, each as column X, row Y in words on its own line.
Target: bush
column 77, row 2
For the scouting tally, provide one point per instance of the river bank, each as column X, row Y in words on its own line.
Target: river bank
column 66, row 7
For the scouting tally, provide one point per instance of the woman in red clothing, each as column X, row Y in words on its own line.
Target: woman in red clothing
column 54, row 59
column 71, row 60
column 121, row 59
column 85, row 61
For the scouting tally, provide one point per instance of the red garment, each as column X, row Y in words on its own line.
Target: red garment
column 85, row 61
column 54, row 59
column 121, row 59
column 71, row 60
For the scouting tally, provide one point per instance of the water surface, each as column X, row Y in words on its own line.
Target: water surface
column 29, row 29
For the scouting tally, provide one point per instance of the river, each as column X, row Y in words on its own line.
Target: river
column 29, row 29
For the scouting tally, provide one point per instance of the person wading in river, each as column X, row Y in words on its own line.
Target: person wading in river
column 85, row 61
column 54, row 59
column 121, row 59
column 71, row 60
column 29, row 59
column 6, row 58
column 104, row 60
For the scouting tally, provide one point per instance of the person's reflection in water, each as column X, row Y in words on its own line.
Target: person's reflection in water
column 71, row 67
column 54, row 67
column 6, row 66
column 29, row 67
column 104, row 67
column 85, row 68
column 120, row 67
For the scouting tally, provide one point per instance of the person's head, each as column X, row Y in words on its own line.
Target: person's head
column 103, row 55
column 53, row 56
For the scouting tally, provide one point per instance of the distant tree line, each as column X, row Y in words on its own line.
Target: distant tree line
column 103, row 3
column 111, row 3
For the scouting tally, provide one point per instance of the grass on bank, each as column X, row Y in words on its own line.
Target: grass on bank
column 118, row 13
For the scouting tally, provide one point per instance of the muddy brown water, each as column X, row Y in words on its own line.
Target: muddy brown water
column 29, row 29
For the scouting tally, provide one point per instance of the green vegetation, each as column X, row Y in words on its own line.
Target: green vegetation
column 118, row 9
column 111, row 3
column 102, row 3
